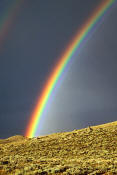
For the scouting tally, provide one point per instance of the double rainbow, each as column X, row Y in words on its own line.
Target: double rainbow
column 61, row 65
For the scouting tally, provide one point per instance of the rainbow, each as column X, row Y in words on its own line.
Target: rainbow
column 7, row 19
column 59, row 68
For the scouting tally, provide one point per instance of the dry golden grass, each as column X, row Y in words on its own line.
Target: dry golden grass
column 92, row 150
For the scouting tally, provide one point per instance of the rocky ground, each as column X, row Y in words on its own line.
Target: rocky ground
column 92, row 150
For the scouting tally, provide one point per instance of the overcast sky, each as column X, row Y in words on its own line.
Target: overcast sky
column 34, row 41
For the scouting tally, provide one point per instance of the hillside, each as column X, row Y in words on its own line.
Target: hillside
column 92, row 150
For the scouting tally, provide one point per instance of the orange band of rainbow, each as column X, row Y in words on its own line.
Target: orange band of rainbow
column 61, row 65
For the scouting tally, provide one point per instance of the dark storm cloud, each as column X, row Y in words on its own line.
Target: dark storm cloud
column 38, row 36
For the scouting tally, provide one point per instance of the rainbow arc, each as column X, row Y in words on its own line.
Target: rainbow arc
column 63, row 62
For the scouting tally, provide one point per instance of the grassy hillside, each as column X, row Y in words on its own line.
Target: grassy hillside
column 92, row 150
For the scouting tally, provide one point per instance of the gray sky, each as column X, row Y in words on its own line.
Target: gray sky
column 38, row 35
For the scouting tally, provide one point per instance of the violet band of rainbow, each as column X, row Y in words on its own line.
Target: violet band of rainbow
column 64, row 60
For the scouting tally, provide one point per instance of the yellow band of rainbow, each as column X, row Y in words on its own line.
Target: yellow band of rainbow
column 61, row 65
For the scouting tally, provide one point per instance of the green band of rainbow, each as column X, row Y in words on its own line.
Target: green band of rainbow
column 61, row 65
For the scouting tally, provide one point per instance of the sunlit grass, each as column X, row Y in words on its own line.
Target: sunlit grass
column 92, row 150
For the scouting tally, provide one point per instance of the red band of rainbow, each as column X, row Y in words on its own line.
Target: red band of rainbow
column 61, row 65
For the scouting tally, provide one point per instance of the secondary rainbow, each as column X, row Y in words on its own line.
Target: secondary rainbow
column 7, row 18
column 61, row 65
